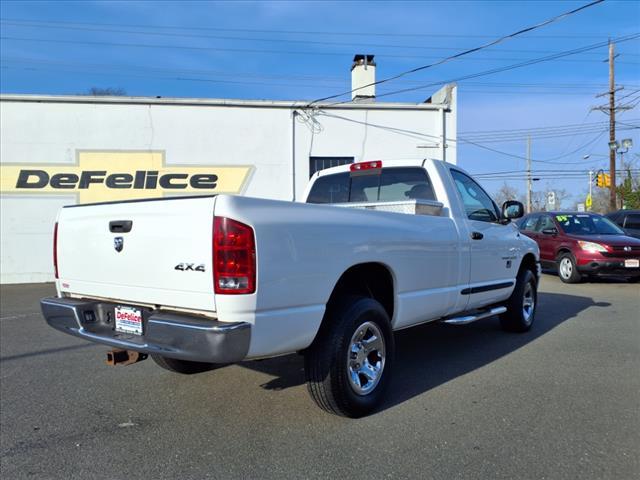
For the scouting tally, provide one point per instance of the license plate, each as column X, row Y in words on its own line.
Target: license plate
column 128, row 320
column 632, row 263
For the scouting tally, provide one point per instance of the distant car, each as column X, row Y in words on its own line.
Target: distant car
column 628, row 220
column 582, row 244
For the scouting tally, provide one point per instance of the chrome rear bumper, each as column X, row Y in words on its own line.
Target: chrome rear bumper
column 186, row 337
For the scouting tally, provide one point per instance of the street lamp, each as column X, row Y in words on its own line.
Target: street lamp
column 621, row 148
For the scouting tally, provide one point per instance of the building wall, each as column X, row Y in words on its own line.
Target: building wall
column 254, row 149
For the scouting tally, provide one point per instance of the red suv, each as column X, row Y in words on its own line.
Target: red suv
column 582, row 244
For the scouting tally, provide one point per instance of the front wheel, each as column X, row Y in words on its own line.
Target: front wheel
column 348, row 366
column 521, row 306
column 567, row 269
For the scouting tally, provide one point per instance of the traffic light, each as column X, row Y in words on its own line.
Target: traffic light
column 603, row 180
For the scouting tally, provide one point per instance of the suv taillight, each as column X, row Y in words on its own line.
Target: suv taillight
column 55, row 249
column 234, row 257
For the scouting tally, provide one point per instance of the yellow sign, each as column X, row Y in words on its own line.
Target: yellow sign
column 100, row 176
column 589, row 202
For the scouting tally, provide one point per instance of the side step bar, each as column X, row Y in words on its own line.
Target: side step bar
column 472, row 318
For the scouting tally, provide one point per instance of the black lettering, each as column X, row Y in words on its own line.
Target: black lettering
column 23, row 179
column 119, row 180
column 64, row 180
column 91, row 176
column 188, row 266
column 152, row 179
column 200, row 268
column 139, row 181
column 203, row 180
column 165, row 180
column 180, row 267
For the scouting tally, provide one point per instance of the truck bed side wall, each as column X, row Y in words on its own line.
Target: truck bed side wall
column 302, row 250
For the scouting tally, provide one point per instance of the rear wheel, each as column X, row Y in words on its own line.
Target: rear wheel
column 182, row 366
column 521, row 306
column 348, row 366
column 567, row 269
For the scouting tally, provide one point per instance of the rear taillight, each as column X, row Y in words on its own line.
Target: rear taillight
column 234, row 257
column 55, row 249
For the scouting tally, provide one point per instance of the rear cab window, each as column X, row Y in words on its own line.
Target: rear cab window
column 390, row 185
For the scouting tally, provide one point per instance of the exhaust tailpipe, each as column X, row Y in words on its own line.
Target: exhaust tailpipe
column 124, row 357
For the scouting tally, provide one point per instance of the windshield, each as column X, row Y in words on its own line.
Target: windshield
column 577, row 224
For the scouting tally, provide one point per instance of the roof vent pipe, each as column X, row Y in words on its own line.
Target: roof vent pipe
column 363, row 72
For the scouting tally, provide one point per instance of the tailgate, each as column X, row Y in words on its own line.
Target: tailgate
column 164, row 259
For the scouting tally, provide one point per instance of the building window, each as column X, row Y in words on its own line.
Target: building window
column 320, row 163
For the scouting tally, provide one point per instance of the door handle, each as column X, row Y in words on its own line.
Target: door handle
column 476, row 236
column 120, row 226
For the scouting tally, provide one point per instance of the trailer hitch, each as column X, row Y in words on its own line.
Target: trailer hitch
column 124, row 357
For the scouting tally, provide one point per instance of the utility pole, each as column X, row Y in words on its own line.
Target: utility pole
column 529, row 180
column 612, row 129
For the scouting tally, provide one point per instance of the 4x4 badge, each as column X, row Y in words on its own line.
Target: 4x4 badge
column 118, row 243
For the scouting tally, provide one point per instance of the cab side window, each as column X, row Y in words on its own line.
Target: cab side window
column 477, row 204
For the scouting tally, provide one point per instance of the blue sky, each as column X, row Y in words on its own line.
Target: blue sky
column 303, row 50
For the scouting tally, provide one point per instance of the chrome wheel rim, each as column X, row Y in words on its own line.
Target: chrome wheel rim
column 566, row 267
column 365, row 358
column 528, row 303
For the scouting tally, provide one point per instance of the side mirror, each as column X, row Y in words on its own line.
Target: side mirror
column 550, row 231
column 512, row 209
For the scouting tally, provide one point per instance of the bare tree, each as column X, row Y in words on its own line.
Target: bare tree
column 106, row 92
column 599, row 200
column 538, row 201
column 506, row 192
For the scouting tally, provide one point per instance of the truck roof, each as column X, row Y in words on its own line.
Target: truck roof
column 410, row 162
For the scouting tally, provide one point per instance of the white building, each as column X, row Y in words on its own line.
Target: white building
column 60, row 150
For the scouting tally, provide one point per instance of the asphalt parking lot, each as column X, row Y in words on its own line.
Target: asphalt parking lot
column 562, row 401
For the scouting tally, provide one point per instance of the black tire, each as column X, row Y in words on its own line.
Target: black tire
column 185, row 367
column 522, row 304
column 331, row 372
column 567, row 269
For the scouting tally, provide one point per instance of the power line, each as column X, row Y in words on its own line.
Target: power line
column 548, row 160
column 257, row 50
column 323, row 78
column 463, row 53
column 544, row 132
column 167, row 74
column 64, row 26
column 320, row 79
column 300, row 32
column 536, row 129
column 508, row 67
column 633, row 127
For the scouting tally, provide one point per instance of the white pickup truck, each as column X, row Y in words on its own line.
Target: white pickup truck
column 198, row 282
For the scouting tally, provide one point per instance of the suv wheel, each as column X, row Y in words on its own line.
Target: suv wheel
column 567, row 270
